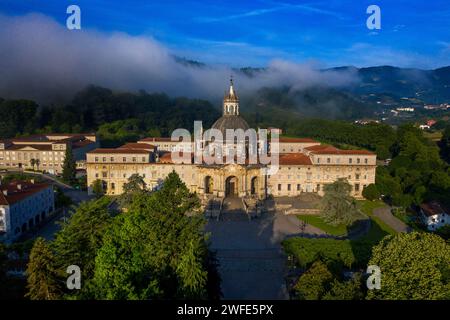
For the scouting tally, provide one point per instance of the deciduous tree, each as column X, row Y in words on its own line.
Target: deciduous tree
column 414, row 266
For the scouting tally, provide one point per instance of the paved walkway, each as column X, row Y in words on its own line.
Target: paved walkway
column 252, row 262
column 250, row 257
column 233, row 210
column 387, row 217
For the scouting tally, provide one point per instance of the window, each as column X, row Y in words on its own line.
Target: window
column 358, row 160
column 112, row 159
column 113, row 186
column 357, row 187
column 328, row 160
column 298, row 187
column 357, row 176
column 96, row 159
column 124, row 159
column 289, row 187
column 104, row 174
column 318, row 160
column 279, row 187
column 318, row 187
column 349, row 160
column 104, row 159
column 366, row 160
column 143, row 159
column 134, row 159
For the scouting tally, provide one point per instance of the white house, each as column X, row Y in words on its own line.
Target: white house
column 23, row 205
column 433, row 215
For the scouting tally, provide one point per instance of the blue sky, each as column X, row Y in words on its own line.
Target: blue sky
column 414, row 33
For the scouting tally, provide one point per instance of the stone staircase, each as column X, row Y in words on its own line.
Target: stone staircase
column 212, row 206
column 233, row 209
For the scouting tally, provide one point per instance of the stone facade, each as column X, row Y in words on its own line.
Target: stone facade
column 47, row 150
column 305, row 165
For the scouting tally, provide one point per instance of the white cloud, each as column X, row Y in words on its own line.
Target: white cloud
column 41, row 59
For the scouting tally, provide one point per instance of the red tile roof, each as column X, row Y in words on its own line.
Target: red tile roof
column 42, row 147
column 167, row 157
column 327, row 149
column 431, row 208
column 294, row 159
column 296, row 140
column 160, row 139
column 14, row 193
column 321, row 147
column 82, row 143
column 157, row 139
column 135, row 145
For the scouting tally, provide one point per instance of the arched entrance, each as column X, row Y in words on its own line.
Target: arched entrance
column 231, row 186
column 209, row 184
column 254, row 186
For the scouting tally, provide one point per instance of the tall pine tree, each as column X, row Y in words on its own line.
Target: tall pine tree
column 42, row 275
column 69, row 167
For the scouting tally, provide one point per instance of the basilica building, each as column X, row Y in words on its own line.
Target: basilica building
column 305, row 165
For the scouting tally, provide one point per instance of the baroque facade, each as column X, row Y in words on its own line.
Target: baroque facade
column 305, row 165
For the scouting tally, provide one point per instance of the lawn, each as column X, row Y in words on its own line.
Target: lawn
column 350, row 253
column 318, row 222
column 379, row 229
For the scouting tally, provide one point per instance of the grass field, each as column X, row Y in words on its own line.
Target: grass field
column 433, row 136
column 318, row 222
column 379, row 229
column 351, row 253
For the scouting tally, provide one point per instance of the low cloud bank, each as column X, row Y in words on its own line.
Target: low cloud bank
column 42, row 60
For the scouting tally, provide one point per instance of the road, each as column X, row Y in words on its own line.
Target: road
column 387, row 217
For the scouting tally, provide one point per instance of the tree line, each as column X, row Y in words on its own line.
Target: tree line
column 152, row 250
column 95, row 106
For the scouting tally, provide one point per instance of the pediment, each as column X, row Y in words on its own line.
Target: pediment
column 27, row 148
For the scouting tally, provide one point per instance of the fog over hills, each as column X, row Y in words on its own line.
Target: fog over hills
column 42, row 60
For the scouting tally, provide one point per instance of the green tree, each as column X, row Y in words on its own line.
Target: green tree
column 444, row 231
column 135, row 185
column 3, row 278
column 42, row 274
column 154, row 250
column 97, row 188
column 414, row 266
column 69, row 167
column 371, row 192
column 337, row 206
column 32, row 163
column 191, row 272
column 346, row 290
column 81, row 236
column 314, row 283
column 444, row 144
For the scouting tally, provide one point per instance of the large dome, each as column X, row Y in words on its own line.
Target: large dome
column 230, row 122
